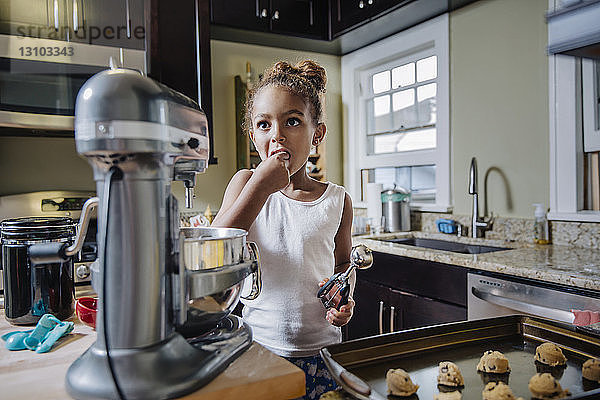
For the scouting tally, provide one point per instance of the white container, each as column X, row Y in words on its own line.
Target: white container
column 374, row 210
column 541, row 234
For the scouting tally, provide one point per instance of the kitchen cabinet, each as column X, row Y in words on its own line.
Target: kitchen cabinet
column 304, row 18
column 117, row 23
column 574, row 30
column 348, row 14
column 179, row 52
column 16, row 17
column 84, row 21
column 399, row 293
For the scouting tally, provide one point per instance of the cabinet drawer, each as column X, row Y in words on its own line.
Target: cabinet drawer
column 426, row 278
column 420, row 311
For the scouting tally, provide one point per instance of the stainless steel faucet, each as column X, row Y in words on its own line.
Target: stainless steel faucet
column 478, row 225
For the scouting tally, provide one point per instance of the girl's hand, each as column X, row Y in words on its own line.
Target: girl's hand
column 341, row 317
column 272, row 174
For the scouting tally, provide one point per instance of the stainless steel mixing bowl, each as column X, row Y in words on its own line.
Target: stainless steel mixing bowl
column 214, row 263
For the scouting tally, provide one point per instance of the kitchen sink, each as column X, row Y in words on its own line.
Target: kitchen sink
column 454, row 247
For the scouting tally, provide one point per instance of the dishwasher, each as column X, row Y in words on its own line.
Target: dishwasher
column 492, row 295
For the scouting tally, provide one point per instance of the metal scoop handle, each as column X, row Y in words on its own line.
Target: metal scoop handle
column 361, row 257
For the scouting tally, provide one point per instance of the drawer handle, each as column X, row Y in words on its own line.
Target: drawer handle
column 521, row 306
column 381, row 317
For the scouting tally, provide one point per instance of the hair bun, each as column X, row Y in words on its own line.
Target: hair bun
column 282, row 67
column 307, row 69
column 314, row 73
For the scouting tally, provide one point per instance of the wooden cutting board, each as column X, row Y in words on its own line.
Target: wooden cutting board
column 256, row 374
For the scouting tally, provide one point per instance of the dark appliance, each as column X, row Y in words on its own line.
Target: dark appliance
column 34, row 290
column 57, row 204
column 40, row 79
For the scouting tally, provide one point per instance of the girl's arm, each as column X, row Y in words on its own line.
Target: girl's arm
column 248, row 191
column 343, row 237
column 236, row 211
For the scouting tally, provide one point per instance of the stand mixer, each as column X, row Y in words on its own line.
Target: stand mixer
column 164, row 327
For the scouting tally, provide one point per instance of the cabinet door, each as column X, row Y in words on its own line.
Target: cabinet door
column 368, row 312
column 35, row 18
column 444, row 282
column 349, row 14
column 243, row 14
column 117, row 23
column 420, row 311
column 299, row 18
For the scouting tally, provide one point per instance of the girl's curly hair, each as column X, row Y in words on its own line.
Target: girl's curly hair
column 307, row 79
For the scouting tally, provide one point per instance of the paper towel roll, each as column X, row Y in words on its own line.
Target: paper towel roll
column 374, row 210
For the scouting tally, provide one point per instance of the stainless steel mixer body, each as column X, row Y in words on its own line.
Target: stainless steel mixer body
column 152, row 135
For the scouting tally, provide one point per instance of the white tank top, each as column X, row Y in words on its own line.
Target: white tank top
column 296, row 244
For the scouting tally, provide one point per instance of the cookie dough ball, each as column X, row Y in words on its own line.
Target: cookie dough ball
column 449, row 374
column 456, row 395
column 591, row 370
column 493, row 362
column 498, row 391
column 333, row 395
column 550, row 354
column 399, row 383
column 544, row 386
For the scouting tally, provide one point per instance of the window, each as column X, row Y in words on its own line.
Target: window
column 396, row 95
column 574, row 139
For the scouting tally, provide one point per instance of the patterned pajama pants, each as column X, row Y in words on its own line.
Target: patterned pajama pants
column 318, row 379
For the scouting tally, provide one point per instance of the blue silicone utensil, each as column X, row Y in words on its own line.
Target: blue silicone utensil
column 15, row 340
column 44, row 325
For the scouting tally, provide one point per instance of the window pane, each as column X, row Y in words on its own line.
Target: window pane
column 405, row 141
column 419, row 180
column 427, row 104
column 423, row 177
column 381, row 82
column 405, row 113
column 379, row 118
column 403, row 99
column 426, row 91
column 427, row 68
column 403, row 75
column 381, row 105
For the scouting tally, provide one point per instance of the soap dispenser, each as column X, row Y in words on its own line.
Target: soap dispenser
column 541, row 234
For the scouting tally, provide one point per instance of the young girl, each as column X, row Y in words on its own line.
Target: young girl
column 302, row 226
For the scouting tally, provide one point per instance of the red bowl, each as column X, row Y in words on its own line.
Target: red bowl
column 85, row 307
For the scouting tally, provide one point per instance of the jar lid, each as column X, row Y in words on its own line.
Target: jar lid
column 37, row 228
column 397, row 194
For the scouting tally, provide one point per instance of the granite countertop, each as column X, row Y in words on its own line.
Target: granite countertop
column 564, row 265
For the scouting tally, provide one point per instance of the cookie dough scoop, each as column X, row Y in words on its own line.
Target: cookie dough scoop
column 449, row 374
column 550, row 354
column 498, row 391
column 333, row 395
column 493, row 362
column 591, row 370
column 545, row 387
column 399, row 383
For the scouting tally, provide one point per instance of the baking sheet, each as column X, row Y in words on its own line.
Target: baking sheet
column 419, row 351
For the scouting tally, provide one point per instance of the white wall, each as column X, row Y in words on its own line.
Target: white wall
column 499, row 104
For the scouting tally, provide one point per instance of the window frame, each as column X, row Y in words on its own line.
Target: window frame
column 434, row 35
